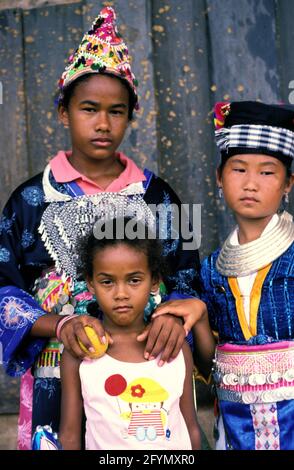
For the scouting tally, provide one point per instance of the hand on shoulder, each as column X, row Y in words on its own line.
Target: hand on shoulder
column 191, row 310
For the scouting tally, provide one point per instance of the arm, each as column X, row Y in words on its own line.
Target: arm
column 18, row 308
column 187, row 404
column 71, row 403
column 204, row 345
column 200, row 315
column 71, row 331
column 205, row 331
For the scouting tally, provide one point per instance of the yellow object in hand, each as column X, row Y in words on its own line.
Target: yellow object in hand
column 99, row 347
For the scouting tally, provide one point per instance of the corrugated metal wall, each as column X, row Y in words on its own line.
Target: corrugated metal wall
column 186, row 54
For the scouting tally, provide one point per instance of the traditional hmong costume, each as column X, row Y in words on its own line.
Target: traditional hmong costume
column 41, row 225
column 249, row 291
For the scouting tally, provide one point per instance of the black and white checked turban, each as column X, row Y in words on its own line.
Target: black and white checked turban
column 275, row 140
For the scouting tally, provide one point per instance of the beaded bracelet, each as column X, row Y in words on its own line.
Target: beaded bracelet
column 60, row 324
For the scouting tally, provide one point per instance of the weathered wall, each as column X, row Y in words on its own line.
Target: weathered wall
column 186, row 54
column 26, row 4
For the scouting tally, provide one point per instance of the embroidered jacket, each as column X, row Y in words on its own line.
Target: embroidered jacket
column 272, row 301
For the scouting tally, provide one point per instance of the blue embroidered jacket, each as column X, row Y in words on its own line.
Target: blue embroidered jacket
column 275, row 319
column 23, row 257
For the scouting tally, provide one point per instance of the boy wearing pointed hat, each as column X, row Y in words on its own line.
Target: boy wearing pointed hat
column 248, row 284
column 46, row 215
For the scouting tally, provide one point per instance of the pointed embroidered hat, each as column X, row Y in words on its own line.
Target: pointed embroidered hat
column 256, row 128
column 102, row 50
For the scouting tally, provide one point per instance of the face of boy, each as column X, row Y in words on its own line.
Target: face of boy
column 254, row 185
column 97, row 117
column 122, row 283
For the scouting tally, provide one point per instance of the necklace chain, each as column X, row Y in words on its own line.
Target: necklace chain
column 242, row 260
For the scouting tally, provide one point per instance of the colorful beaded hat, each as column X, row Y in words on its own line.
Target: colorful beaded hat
column 102, row 50
column 253, row 127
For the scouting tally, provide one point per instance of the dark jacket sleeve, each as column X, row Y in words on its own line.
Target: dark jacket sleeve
column 21, row 258
column 179, row 244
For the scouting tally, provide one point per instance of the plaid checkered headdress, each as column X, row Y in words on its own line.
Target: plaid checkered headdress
column 253, row 127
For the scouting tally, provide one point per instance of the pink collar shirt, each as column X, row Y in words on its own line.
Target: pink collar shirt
column 64, row 172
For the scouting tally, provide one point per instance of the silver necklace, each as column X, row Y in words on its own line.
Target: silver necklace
column 68, row 219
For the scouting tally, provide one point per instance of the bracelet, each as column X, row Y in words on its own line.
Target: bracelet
column 60, row 324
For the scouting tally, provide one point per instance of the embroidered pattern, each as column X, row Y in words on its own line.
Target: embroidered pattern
column 64, row 224
column 249, row 375
column 16, row 313
column 24, row 437
column 27, row 239
column 183, row 281
column 166, row 228
column 4, row 255
column 266, row 427
column 6, row 223
column 169, row 246
column 48, row 384
column 101, row 49
column 33, row 196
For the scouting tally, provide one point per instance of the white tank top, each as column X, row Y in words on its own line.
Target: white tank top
column 134, row 405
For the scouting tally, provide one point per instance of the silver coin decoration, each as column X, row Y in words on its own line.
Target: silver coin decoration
column 67, row 309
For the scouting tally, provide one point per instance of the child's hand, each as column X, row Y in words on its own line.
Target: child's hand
column 191, row 310
column 164, row 335
column 74, row 330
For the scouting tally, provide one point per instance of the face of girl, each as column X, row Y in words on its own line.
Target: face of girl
column 122, row 283
column 97, row 116
column 254, row 185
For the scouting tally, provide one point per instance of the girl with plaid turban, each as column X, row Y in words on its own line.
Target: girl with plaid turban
column 248, row 284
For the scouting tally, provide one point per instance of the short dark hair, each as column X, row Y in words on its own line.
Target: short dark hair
column 142, row 240
column 68, row 92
